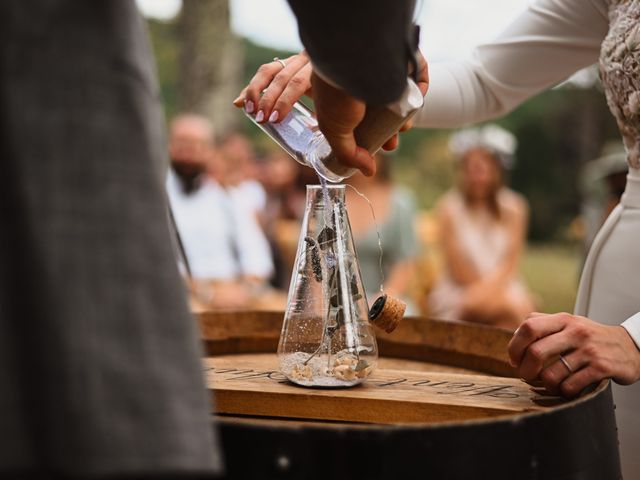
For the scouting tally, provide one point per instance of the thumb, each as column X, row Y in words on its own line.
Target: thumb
column 338, row 115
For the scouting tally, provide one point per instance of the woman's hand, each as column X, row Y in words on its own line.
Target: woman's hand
column 283, row 86
column 592, row 351
column 338, row 113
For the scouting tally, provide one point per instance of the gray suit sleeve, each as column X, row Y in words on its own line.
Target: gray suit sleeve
column 364, row 46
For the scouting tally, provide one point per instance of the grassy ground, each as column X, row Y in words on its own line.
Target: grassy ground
column 552, row 272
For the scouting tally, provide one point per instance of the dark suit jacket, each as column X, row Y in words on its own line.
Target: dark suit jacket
column 99, row 357
column 364, row 46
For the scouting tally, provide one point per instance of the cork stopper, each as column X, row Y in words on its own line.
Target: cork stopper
column 386, row 312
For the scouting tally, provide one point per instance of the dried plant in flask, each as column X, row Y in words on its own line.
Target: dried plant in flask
column 326, row 339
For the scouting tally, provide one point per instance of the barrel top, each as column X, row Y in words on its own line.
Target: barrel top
column 429, row 372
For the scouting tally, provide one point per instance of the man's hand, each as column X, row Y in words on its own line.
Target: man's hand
column 592, row 351
column 338, row 115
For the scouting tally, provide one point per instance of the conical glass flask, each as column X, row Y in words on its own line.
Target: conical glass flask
column 326, row 339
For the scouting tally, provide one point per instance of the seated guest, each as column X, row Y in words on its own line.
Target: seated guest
column 483, row 229
column 394, row 207
column 278, row 173
column 241, row 172
column 226, row 249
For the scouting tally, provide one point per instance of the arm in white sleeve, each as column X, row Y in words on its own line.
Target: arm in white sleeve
column 632, row 326
column 545, row 45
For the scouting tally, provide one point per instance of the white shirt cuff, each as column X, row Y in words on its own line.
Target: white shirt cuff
column 632, row 326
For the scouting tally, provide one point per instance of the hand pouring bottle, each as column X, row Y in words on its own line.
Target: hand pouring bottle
column 299, row 135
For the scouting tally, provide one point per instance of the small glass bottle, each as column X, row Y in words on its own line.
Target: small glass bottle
column 299, row 135
column 326, row 339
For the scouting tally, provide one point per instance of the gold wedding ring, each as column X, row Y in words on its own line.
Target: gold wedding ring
column 280, row 61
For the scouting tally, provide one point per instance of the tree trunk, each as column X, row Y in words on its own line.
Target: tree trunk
column 211, row 60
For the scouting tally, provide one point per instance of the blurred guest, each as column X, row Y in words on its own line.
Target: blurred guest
column 284, row 181
column 240, row 172
column 602, row 183
column 483, row 230
column 237, row 172
column 226, row 250
column 394, row 208
column 277, row 173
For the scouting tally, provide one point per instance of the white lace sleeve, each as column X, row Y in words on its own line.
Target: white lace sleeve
column 547, row 43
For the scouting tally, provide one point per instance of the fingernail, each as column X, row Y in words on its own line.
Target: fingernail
column 248, row 106
column 259, row 115
column 274, row 116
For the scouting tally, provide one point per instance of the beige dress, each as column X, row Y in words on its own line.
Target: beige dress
column 551, row 40
column 485, row 243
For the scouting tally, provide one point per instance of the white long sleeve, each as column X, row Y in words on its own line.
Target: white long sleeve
column 545, row 45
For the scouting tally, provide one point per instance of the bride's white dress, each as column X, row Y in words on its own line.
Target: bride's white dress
column 551, row 40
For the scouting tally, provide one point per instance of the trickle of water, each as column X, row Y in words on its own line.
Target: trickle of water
column 326, row 213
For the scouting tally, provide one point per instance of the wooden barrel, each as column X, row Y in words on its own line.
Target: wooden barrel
column 444, row 403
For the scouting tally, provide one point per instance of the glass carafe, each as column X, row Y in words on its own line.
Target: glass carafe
column 326, row 339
